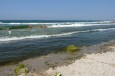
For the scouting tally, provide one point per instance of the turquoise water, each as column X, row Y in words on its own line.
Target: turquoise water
column 26, row 43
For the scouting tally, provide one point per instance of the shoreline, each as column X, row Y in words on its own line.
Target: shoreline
column 39, row 65
column 95, row 64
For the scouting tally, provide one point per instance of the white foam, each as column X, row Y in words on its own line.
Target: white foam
column 74, row 25
column 64, row 24
column 104, row 29
column 2, row 39
column 34, row 36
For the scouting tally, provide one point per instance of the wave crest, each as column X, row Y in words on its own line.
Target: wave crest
column 34, row 36
column 48, row 36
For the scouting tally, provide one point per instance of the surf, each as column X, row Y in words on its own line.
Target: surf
column 76, row 25
column 4, row 39
column 19, row 25
column 34, row 37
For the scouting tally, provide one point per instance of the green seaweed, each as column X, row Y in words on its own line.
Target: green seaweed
column 71, row 48
column 19, row 68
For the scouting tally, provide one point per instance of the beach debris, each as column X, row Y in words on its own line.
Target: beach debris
column 58, row 74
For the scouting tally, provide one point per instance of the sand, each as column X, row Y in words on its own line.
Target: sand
column 91, row 65
column 96, row 60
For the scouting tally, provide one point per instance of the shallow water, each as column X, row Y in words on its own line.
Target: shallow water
column 26, row 43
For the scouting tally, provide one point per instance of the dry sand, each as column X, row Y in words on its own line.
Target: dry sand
column 91, row 65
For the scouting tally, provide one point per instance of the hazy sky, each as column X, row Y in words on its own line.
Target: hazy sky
column 57, row 9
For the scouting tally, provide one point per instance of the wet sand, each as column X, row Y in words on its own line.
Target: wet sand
column 93, row 58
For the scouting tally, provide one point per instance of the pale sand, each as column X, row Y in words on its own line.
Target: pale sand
column 91, row 65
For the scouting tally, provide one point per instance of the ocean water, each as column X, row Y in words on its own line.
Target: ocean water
column 26, row 43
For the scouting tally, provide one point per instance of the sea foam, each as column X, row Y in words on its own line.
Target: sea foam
column 75, row 25
column 2, row 39
column 35, row 36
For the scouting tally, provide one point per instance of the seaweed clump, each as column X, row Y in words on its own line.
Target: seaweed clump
column 21, row 69
column 71, row 49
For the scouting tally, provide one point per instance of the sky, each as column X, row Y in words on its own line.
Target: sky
column 57, row 9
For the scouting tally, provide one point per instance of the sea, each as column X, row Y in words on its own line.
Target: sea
column 24, row 43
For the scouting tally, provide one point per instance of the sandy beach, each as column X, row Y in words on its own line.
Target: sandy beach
column 100, row 64
column 96, row 60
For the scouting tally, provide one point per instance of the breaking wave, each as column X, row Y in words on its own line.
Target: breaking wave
column 62, row 24
column 75, row 25
column 2, row 39
column 35, row 36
